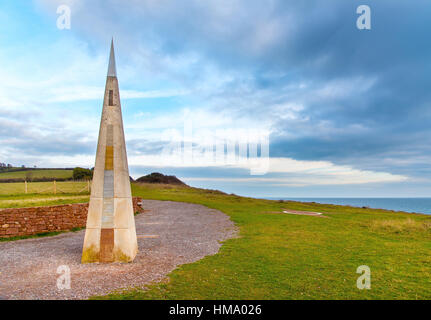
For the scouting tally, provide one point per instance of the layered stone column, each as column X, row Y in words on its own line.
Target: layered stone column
column 111, row 234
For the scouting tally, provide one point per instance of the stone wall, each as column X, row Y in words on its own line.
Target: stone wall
column 29, row 221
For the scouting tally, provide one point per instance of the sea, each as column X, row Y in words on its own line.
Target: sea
column 415, row 205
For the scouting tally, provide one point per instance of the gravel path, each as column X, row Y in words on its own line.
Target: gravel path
column 169, row 234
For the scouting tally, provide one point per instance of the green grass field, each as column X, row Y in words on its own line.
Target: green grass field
column 12, row 195
column 59, row 174
column 282, row 256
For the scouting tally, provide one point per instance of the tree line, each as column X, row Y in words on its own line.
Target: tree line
column 77, row 174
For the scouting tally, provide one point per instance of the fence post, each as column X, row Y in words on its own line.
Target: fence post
column 88, row 185
column 25, row 185
column 55, row 188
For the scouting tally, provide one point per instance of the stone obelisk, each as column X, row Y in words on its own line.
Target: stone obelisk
column 111, row 234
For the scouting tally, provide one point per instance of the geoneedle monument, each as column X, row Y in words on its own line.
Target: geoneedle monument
column 111, row 234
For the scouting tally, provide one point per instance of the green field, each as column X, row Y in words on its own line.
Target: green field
column 55, row 173
column 12, row 195
column 282, row 256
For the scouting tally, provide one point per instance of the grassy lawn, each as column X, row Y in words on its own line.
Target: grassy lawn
column 18, row 188
column 37, row 174
column 283, row 256
column 12, row 195
column 41, row 200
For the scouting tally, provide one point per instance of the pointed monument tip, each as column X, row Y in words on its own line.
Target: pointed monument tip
column 112, row 69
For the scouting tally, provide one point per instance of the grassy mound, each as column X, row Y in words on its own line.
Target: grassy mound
column 160, row 178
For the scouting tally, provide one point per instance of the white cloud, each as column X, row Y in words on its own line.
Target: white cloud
column 344, row 87
column 289, row 172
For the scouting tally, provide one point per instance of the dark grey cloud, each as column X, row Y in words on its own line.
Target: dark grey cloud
column 19, row 136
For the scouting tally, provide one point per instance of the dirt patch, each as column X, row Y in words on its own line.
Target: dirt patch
column 304, row 213
column 169, row 234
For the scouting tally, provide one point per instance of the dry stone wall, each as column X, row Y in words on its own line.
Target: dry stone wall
column 30, row 221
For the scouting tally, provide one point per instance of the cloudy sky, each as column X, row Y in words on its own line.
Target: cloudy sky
column 346, row 112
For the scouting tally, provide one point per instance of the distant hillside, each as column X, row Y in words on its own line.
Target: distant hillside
column 156, row 177
column 35, row 174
